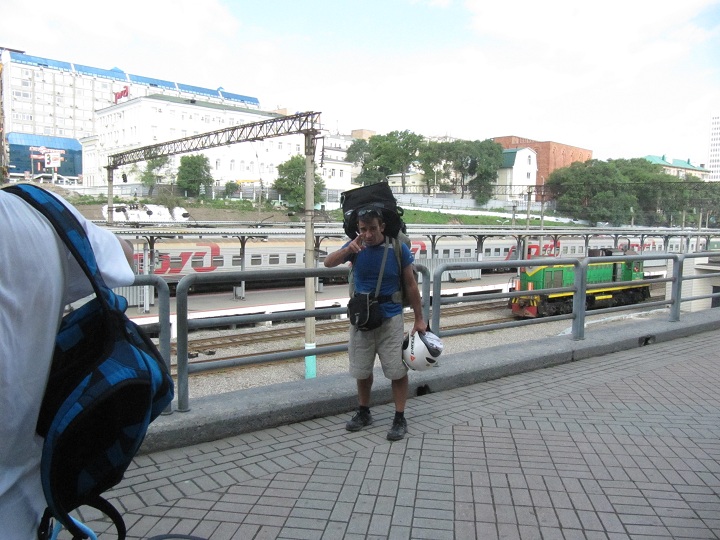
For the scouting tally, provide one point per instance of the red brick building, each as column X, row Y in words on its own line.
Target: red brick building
column 550, row 155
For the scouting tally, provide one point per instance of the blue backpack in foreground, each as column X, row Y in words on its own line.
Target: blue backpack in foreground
column 107, row 383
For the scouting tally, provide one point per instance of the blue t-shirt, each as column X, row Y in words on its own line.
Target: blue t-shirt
column 367, row 266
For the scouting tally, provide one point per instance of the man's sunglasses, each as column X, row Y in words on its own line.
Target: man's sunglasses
column 369, row 212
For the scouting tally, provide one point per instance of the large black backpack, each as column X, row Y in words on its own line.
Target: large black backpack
column 107, row 383
column 378, row 196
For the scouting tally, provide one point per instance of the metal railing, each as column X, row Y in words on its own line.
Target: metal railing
column 163, row 292
column 431, row 288
column 184, row 325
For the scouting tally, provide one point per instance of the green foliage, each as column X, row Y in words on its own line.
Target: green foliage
column 169, row 200
column 231, row 188
column 383, row 155
column 594, row 191
column 632, row 191
column 194, row 171
column 421, row 217
column 357, row 152
column 244, row 205
column 154, row 172
column 89, row 199
column 291, row 183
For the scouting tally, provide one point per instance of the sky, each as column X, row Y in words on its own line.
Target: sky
column 623, row 78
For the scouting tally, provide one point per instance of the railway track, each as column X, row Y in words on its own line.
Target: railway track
column 210, row 349
column 212, row 344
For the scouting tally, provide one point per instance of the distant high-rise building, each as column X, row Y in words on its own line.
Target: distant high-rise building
column 714, row 155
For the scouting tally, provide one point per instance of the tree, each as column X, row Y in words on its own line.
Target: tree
column 383, row 155
column 432, row 160
column 594, row 191
column 656, row 192
column 155, row 170
column 357, row 152
column 231, row 188
column 194, row 172
column 291, row 182
column 475, row 164
column 399, row 150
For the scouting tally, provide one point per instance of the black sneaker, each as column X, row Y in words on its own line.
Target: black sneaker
column 398, row 430
column 359, row 421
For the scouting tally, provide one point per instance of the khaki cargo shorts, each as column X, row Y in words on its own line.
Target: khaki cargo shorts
column 385, row 342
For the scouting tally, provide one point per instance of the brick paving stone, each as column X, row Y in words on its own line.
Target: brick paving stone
column 616, row 447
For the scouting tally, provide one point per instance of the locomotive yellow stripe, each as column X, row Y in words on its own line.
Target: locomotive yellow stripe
column 535, row 269
column 597, row 291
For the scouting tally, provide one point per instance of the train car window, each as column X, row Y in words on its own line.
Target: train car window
column 564, row 250
column 488, row 252
column 572, row 249
column 291, row 258
column 255, row 259
column 446, row 253
column 176, row 262
column 197, row 261
column 423, row 252
column 506, row 250
column 274, row 258
column 218, row 260
column 581, row 249
column 468, row 252
column 457, row 253
column 237, row 260
column 496, row 252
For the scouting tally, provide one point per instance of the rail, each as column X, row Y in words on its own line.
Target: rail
column 433, row 301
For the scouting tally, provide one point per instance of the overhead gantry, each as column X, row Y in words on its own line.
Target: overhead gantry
column 307, row 124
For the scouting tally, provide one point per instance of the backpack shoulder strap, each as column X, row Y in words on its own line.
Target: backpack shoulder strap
column 71, row 232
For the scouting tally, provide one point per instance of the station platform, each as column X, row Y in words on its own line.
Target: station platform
column 613, row 437
column 288, row 299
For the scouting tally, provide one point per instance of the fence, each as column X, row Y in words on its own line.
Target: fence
column 431, row 290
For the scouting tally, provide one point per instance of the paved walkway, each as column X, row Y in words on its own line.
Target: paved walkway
column 620, row 446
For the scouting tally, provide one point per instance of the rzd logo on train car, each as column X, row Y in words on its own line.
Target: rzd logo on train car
column 168, row 265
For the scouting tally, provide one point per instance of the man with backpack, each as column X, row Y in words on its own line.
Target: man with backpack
column 375, row 270
column 39, row 278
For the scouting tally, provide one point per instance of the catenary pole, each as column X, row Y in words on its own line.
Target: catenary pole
column 310, row 361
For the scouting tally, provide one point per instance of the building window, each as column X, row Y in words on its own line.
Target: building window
column 217, row 164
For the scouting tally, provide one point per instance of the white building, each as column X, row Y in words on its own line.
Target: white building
column 144, row 121
column 517, row 173
column 414, row 183
column 48, row 105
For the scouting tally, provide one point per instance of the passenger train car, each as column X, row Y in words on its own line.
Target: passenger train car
column 174, row 259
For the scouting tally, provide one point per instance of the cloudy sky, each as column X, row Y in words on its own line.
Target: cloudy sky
column 621, row 78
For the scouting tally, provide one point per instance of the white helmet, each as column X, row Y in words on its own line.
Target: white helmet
column 420, row 351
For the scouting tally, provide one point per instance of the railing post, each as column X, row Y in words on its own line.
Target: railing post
column 579, row 298
column 181, row 302
column 676, row 288
column 163, row 317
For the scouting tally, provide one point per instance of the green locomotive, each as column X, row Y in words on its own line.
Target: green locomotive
column 600, row 289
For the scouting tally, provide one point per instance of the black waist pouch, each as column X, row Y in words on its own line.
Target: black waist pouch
column 364, row 311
